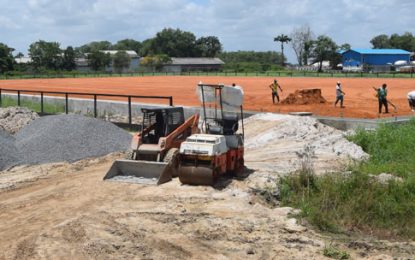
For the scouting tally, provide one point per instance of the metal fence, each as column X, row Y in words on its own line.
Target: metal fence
column 230, row 73
column 95, row 97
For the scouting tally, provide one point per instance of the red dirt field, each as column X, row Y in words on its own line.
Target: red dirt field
column 360, row 100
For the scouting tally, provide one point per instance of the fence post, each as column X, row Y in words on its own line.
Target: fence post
column 41, row 103
column 130, row 120
column 66, row 103
column 95, row 105
column 1, row 104
column 18, row 98
column 171, row 101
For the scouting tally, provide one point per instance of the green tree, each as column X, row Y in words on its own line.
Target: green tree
column 381, row 42
column 156, row 62
column 324, row 48
column 69, row 59
column 146, row 48
column 46, row 55
column 128, row 44
column 283, row 39
column 95, row 46
column 6, row 58
column 173, row 43
column 98, row 60
column 19, row 55
column 208, row 46
column 121, row 60
column 405, row 41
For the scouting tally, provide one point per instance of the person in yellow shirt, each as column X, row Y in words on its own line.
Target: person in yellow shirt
column 274, row 88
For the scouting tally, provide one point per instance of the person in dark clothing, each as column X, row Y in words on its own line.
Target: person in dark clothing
column 274, row 88
column 382, row 94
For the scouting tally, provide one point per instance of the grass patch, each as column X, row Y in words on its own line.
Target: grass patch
column 357, row 201
column 334, row 252
column 391, row 149
column 49, row 108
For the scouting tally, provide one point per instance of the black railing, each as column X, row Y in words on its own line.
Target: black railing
column 227, row 73
column 68, row 94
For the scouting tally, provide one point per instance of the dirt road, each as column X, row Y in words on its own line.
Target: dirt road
column 70, row 213
column 360, row 101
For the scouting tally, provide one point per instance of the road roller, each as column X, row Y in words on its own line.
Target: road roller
column 219, row 148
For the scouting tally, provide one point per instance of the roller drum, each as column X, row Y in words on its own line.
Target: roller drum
column 193, row 175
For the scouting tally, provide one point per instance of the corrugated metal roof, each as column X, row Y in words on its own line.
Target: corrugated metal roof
column 380, row 51
column 132, row 54
column 23, row 60
column 196, row 61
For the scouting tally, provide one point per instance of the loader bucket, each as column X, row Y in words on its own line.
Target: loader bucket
column 143, row 172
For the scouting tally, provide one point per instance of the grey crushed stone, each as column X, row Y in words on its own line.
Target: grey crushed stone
column 12, row 119
column 61, row 138
column 8, row 152
column 69, row 138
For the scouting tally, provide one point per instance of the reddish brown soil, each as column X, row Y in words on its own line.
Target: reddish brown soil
column 360, row 100
column 304, row 97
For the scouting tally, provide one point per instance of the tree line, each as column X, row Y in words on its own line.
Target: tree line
column 311, row 49
column 169, row 42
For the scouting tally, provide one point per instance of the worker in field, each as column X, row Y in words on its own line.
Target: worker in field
column 274, row 88
column 382, row 94
column 411, row 100
column 339, row 94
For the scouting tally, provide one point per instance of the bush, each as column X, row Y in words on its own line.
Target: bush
column 358, row 201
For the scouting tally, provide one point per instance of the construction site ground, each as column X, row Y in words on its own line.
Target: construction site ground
column 66, row 211
column 360, row 100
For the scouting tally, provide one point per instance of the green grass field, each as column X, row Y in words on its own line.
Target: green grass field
column 49, row 108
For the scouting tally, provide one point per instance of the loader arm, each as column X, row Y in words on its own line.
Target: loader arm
column 175, row 138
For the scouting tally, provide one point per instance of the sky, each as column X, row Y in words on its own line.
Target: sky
column 239, row 24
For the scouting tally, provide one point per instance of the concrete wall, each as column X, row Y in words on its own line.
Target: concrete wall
column 108, row 108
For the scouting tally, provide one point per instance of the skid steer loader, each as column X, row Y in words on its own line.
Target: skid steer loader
column 154, row 149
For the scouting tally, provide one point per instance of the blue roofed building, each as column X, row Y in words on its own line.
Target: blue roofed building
column 374, row 59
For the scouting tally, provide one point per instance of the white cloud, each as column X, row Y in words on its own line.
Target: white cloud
column 239, row 24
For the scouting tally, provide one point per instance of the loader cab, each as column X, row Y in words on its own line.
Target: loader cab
column 160, row 122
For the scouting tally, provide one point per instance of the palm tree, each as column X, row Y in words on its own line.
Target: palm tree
column 283, row 39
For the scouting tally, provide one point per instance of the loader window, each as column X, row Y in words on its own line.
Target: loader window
column 174, row 120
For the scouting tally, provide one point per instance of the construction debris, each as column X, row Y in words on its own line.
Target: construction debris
column 12, row 119
column 304, row 97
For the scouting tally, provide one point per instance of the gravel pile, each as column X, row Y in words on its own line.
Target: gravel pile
column 12, row 119
column 61, row 138
column 8, row 151
column 69, row 138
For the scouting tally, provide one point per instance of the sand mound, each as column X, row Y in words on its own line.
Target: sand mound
column 304, row 97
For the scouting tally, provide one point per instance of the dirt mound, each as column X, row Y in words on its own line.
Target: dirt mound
column 12, row 119
column 276, row 143
column 304, row 97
